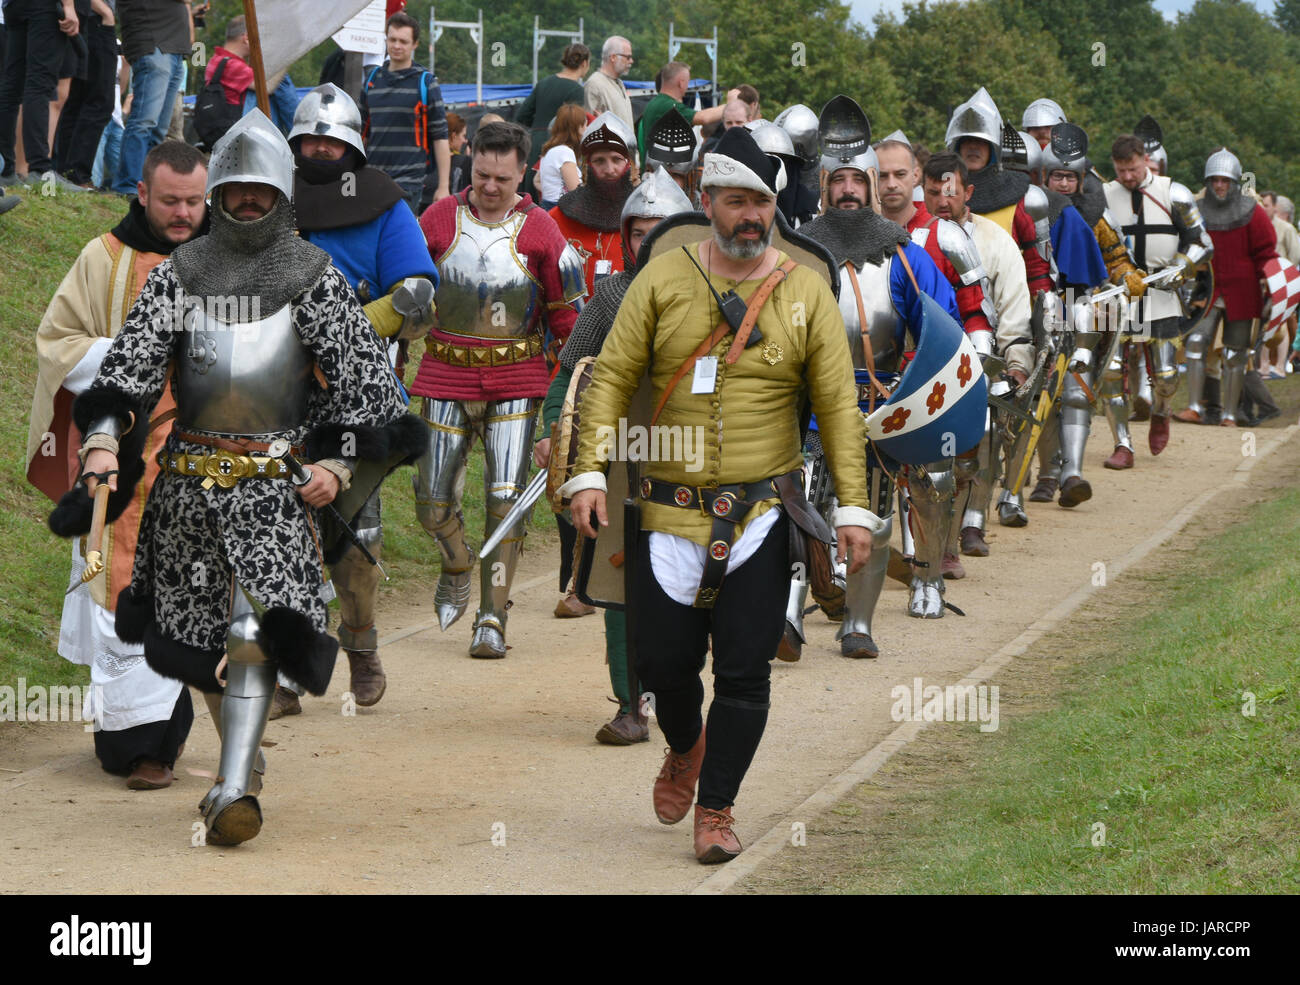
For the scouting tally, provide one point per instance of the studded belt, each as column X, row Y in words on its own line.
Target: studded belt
column 486, row 355
column 223, row 468
column 726, row 506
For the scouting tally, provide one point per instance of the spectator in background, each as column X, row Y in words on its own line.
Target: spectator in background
column 404, row 122
column 456, row 143
column 90, row 102
column 110, row 144
column 604, row 90
column 748, row 95
column 1274, row 354
column 155, row 42
column 552, row 92
column 237, row 76
column 735, row 114
column 558, row 171
column 675, row 78
column 37, row 43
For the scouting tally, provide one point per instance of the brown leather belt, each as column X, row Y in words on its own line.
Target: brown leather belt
column 479, row 356
column 727, row 506
column 239, row 447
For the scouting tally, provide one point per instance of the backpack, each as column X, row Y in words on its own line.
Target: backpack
column 213, row 115
column 421, row 110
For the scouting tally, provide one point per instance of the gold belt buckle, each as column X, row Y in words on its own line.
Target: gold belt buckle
column 224, row 469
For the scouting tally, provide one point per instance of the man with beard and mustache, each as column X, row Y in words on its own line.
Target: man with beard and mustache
column 590, row 216
column 143, row 718
column 880, row 306
column 713, row 552
column 273, row 363
column 357, row 215
column 1244, row 241
column 508, row 278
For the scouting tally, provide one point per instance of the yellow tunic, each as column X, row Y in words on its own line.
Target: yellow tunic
column 749, row 425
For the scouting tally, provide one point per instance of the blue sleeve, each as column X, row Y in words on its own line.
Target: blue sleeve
column 402, row 250
column 930, row 280
column 1078, row 257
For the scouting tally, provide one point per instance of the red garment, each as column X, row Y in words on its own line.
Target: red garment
column 393, row 7
column 592, row 245
column 1037, row 270
column 235, row 80
column 540, row 241
column 970, row 297
column 1239, row 258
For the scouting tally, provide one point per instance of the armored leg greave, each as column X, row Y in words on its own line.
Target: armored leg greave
column 862, row 590
column 1236, row 353
column 356, row 581
column 1076, row 424
column 964, row 472
column 1194, row 353
column 1164, row 369
column 507, row 447
column 930, row 500
column 979, row 494
column 1139, row 380
column 230, row 809
column 439, row 483
column 1116, row 404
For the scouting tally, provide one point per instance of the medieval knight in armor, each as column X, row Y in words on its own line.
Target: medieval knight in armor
column 882, row 274
column 672, row 145
column 1162, row 226
column 1244, row 240
column 795, row 201
column 507, row 278
column 271, row 360
column 358, row 215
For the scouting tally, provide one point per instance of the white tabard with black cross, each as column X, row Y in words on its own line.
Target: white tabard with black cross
column 1144, row 218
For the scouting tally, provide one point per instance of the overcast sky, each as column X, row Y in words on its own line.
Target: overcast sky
column 866, row 10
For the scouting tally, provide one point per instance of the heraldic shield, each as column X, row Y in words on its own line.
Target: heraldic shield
column 941, row 403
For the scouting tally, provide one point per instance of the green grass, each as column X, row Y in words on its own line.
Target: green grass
column 1147, row 737
column 38, row 242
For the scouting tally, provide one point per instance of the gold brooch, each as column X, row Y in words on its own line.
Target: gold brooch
column 772, row 353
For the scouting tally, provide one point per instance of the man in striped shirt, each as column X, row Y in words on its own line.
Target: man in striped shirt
column 404, row 121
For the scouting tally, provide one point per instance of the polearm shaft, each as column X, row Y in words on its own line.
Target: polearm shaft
column 255, row 57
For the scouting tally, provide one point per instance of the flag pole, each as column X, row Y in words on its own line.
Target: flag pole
column 255, row 56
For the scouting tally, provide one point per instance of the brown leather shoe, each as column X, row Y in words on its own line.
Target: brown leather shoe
column 1076, row 490
column 1045, row 491
column 714, row 840
column 859, row 646
column 1227, row 422
column 1120, row 458
column 790, row 649
column 626, row 729
column 572, row 607
column 674, row 789
column 149, row 774
column 1189, row 416
column 952, row 568
column 1158, row 436
column 972, row 542
column 284, row 703
column 368, row 679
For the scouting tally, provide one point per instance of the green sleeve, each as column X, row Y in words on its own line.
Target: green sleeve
column 553, row 405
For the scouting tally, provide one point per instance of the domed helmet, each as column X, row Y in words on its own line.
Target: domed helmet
column 253, row 150
column 328, row 111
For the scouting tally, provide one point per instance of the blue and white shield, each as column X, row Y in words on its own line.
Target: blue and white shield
column 940, row 405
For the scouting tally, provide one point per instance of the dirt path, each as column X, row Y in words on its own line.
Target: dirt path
column 483, row 776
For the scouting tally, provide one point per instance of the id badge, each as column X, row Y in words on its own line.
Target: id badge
column 706, row 375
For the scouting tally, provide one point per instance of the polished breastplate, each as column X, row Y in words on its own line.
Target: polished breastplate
column 485, row 290
column 242, row 377
column 878, row 306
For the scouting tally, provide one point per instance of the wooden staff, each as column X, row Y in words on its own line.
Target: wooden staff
column 255, row 56
column 95, row 543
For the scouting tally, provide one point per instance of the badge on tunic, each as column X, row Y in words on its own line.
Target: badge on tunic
column 772, row 353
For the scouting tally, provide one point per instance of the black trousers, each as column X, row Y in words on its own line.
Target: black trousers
column 672, row 641
column 89, row 106
column 119, row 752
column 34, row 52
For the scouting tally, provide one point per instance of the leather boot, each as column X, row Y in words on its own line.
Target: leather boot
column 714, row 840
column 368, row 679
column 674, row 789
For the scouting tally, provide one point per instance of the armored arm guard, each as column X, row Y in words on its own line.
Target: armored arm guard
column 1038, row 208
column 1194, row 243
column 960, row 251
column 1119, row 263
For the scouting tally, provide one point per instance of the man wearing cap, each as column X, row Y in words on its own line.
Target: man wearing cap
column 713, row 555
column 273, row 363
column 357, row 214
column 507, row 278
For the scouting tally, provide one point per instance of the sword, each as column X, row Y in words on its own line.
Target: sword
column 531, row 495
column 1157, row 279
column 95, row 542
column 279, row 448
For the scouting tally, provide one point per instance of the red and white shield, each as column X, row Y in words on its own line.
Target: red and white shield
column 1283, row 279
